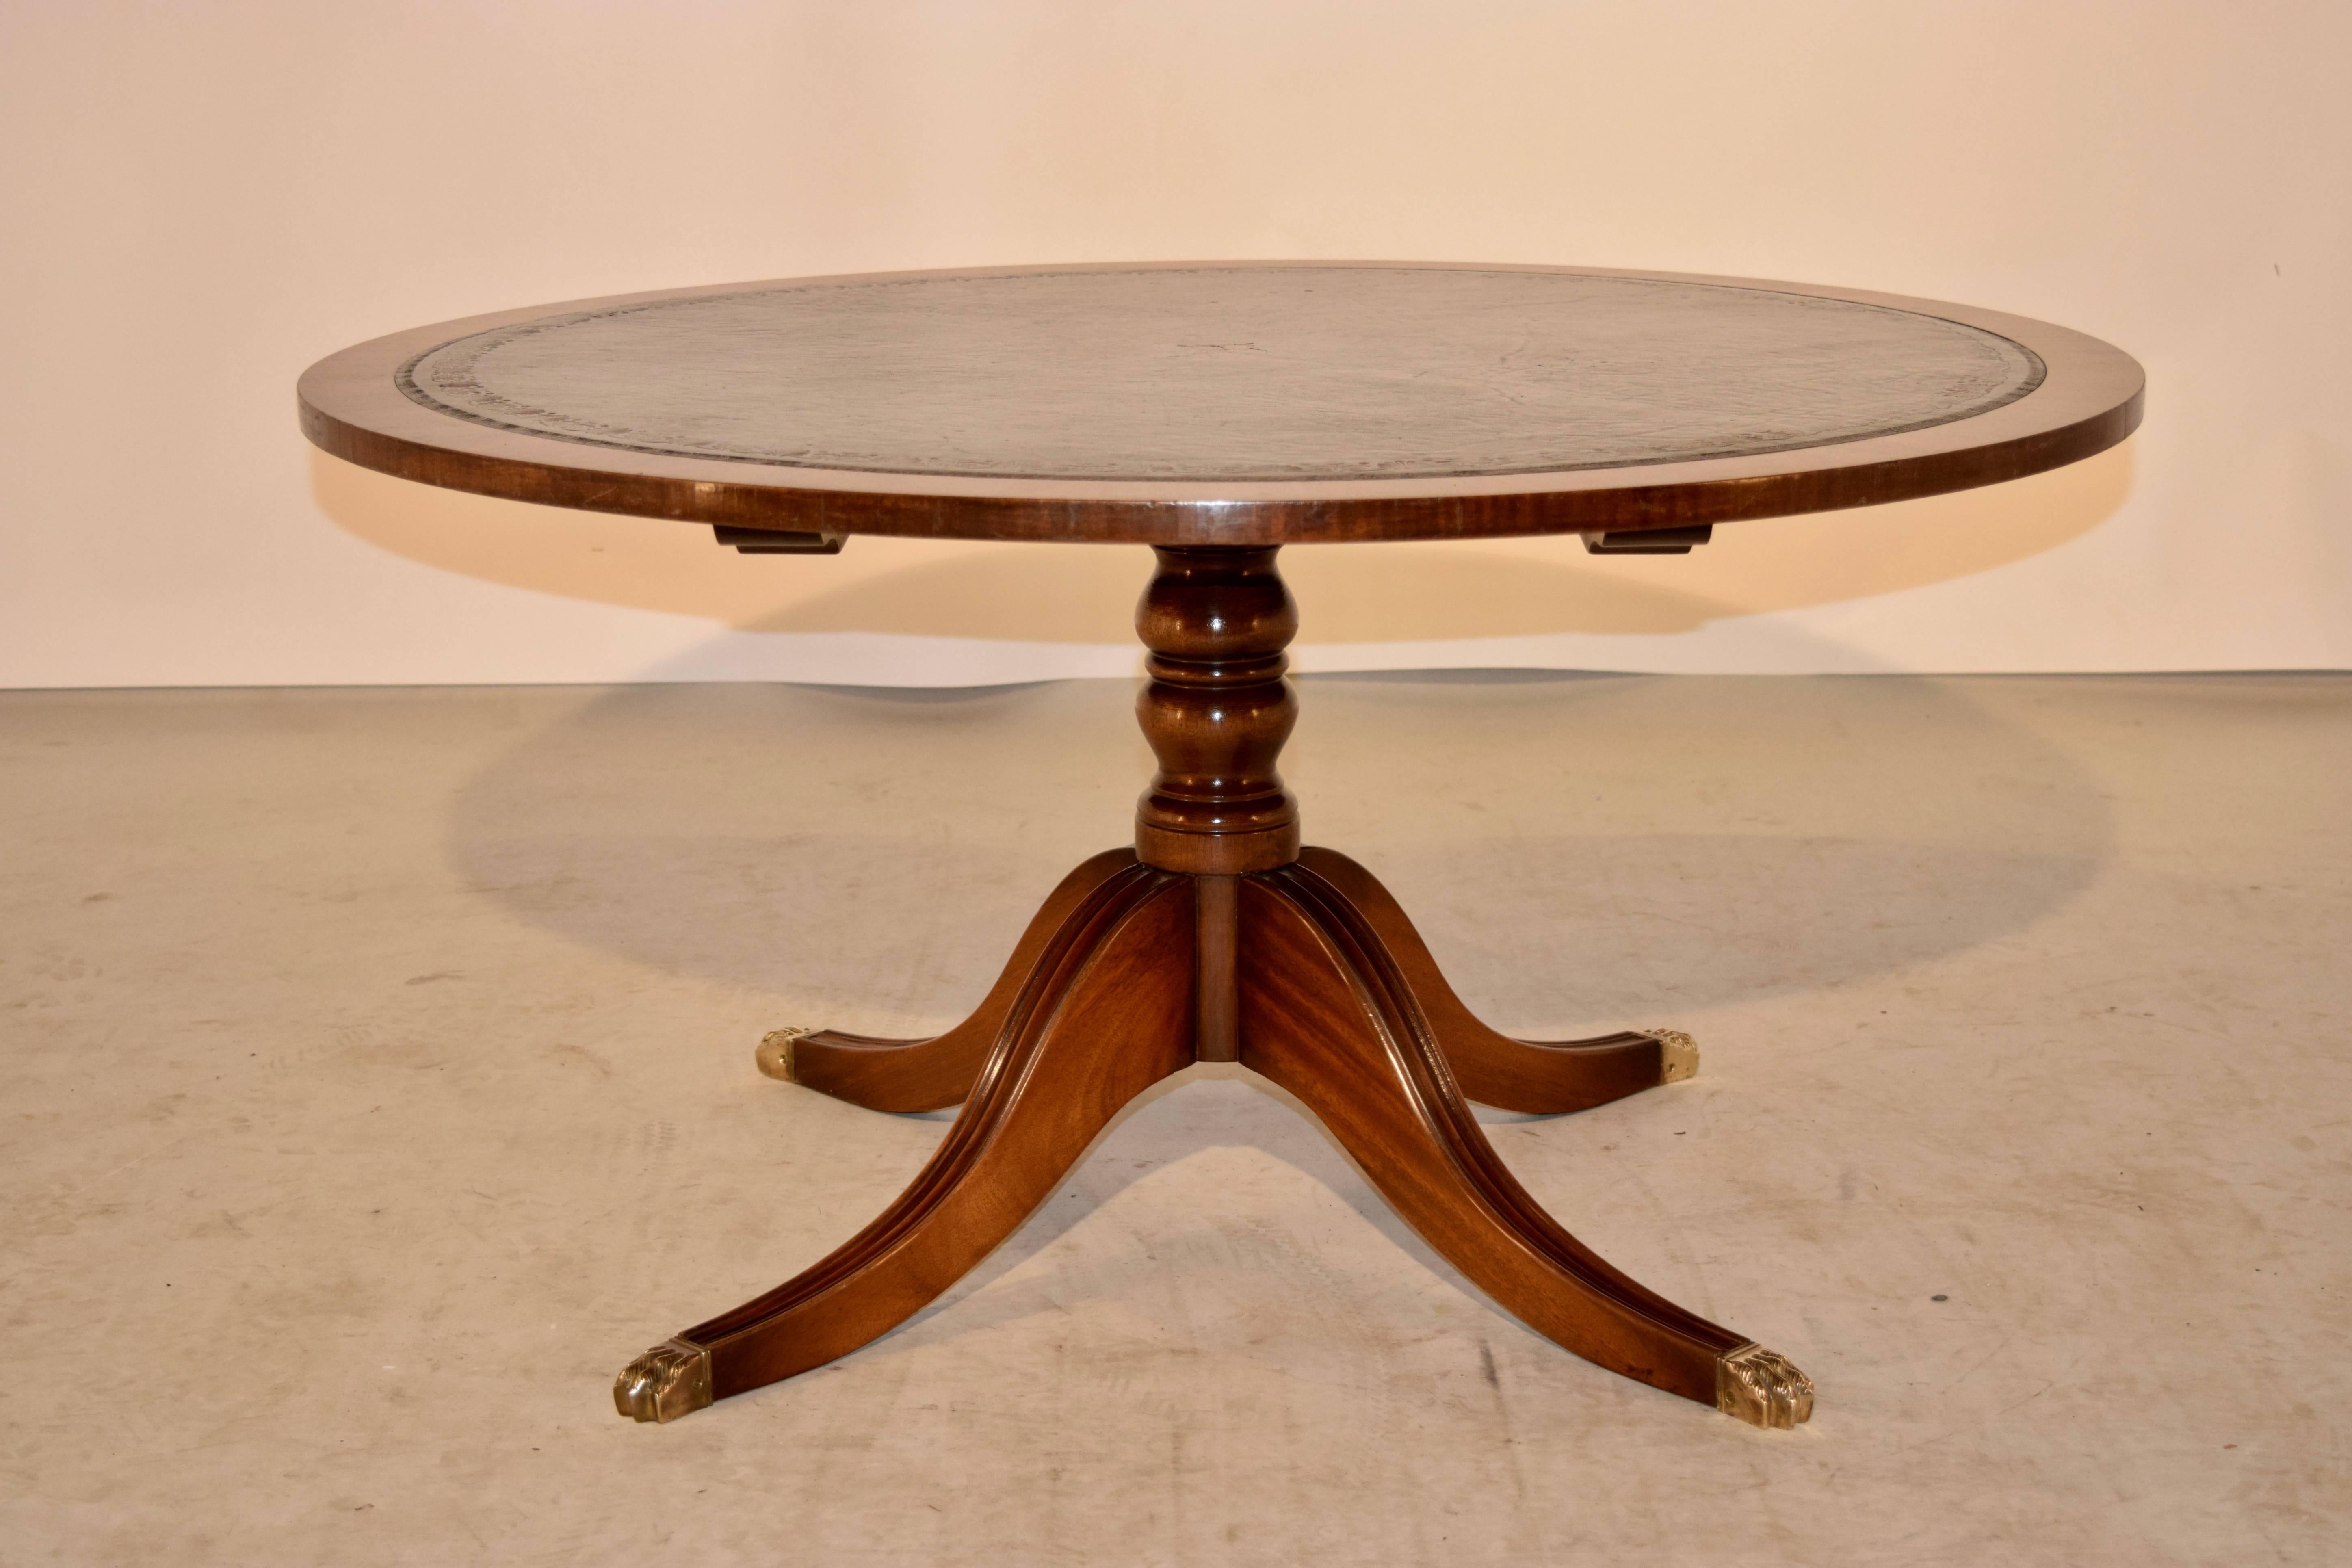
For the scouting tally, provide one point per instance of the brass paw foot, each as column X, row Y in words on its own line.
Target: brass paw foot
column 668, row 1380
column 1678, row 1054
column 1762, row 1388
column 774, row 1055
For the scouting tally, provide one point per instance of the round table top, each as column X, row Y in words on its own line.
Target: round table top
column 1239, row 403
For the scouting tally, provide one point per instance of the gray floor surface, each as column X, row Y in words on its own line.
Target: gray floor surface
column 380, row 1080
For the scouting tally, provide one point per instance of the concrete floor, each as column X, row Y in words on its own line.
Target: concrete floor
column 380, row 1080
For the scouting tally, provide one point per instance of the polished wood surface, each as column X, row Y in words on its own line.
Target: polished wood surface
column 1330, row 1016
column 1103, row 1012
column 1216, row 949
column 1334, row 1000
column 1534, row 1077
column 1684, row 462
column 1216, row 711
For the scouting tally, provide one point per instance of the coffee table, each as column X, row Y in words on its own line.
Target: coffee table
column 1217, row 412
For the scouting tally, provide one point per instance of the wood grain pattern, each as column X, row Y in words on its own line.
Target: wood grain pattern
column 2089, row 398
column 1327, row 1016
column 1103, row 1013
column 1327, row 991
column 1332, row 995
column 1216, row 711
column 1216, row 957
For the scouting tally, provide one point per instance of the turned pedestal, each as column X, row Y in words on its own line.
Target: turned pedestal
column 1217, row 938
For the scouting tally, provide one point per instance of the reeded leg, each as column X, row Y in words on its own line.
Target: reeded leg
column 925, row 1075
column 1329, row 1014
column 1104, row 1012
column 1533, row 1075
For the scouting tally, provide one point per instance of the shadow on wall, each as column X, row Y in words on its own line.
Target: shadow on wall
column 1034, row 593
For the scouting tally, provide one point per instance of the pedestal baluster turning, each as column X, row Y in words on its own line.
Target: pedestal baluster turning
column 1216, row 711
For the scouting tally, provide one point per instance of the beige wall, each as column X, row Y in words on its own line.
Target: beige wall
column 200, row 199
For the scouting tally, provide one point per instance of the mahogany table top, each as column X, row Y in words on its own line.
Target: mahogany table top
column 1240, row 403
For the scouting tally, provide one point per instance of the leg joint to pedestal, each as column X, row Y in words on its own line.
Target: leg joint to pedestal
column 1216, row 854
